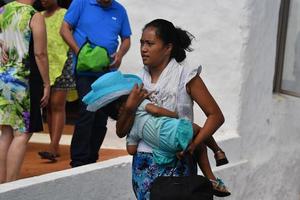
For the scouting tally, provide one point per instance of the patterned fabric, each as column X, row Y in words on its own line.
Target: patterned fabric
column 66, row 80
column 145, row 171
column 15, row 36
column 57, row 48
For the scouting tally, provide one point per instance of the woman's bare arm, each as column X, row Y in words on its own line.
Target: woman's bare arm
column 200, row 94
column 38, row 28
column 127, row 113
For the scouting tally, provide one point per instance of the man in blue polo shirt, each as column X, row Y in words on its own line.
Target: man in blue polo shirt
column 102, row 22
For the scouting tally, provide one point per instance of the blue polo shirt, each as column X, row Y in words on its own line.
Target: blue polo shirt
column 101, row 26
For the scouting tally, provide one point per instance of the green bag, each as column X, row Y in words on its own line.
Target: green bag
column 92, row 58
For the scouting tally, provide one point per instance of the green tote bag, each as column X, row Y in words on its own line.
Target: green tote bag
column 92, row 58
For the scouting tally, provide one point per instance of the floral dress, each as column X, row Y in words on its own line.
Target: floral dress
column 15, row 35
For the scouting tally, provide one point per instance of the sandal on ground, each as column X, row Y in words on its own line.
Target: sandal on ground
column 48, row 155
column 219, row 188
column 220, row 158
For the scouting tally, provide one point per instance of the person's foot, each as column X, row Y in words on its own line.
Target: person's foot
column 220, row 158
column 219, row 188
column 48, row 155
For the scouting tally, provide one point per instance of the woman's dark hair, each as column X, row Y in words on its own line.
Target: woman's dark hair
column 112, row 109
column 62, row 3
column 168, row 33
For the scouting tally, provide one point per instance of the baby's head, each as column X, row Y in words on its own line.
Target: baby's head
column 109, row 88
column 113, row 109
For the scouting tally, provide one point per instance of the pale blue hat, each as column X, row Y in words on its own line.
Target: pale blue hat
column 108, row 88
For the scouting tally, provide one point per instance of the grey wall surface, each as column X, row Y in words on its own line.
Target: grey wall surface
column 109, row 180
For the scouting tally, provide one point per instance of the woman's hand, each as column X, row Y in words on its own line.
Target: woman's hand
column 191, row 148
column 46, row 95
column 180, row 155
column 127, row 113
column 136, row 96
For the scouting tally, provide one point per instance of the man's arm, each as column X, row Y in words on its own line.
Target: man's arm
column 66, row 34
column 38, row 28
column 118, row 56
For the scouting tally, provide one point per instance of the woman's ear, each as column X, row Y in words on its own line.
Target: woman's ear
column 169, row 47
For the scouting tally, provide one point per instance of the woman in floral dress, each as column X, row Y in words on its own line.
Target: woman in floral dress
column 24, row 82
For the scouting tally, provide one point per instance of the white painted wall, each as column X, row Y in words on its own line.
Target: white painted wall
column 269, row 124
column 236, row 44
column 216, row 26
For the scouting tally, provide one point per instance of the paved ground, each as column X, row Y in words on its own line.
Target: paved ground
column 33, row 165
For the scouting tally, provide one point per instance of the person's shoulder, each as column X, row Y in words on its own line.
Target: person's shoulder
column 118, row 6
column 62, row 10
column 190, row 68
column 189, row 72
column 38, row 15
column 37, row 20
column 78, row 4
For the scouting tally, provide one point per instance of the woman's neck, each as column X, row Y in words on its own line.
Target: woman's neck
column 51, row 10
column 156, row 71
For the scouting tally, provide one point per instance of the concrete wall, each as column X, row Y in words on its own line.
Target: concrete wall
column 236, row 44
column 269, row 124
column 108, row 180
